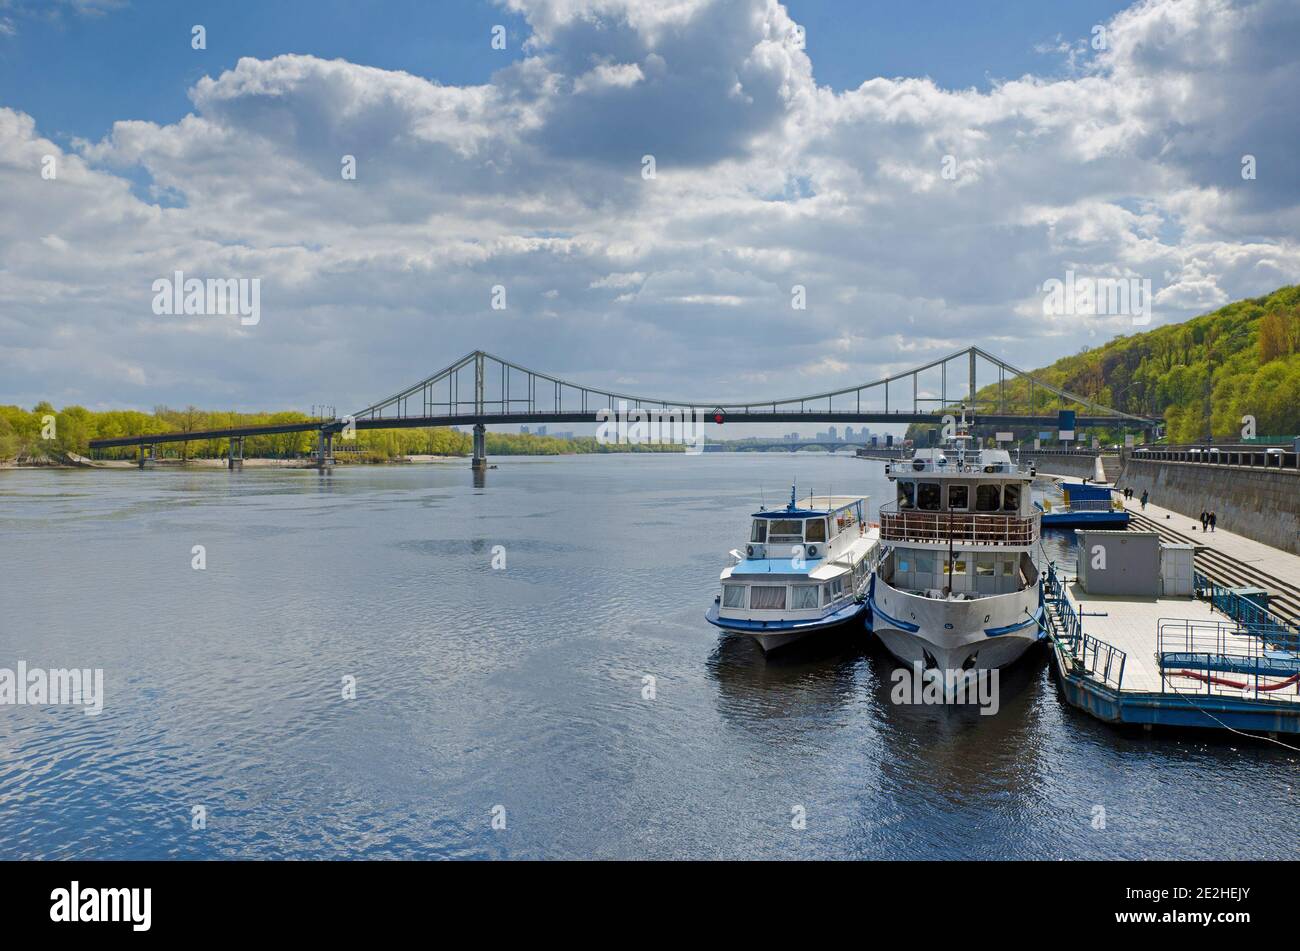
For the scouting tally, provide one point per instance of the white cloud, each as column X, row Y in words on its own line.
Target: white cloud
column 1129, row 166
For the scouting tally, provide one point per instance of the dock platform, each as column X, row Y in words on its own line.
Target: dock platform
column 1209, row 661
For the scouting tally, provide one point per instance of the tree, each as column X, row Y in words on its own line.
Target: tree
column 1274, row 337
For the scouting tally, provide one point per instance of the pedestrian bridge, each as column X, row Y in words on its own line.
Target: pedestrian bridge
column 481, row 389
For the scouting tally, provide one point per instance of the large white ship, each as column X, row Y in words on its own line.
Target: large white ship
column 959, row 590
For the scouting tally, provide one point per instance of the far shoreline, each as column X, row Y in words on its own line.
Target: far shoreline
column 249, row 463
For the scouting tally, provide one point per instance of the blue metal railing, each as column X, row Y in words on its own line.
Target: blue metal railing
column 1258, row 620
column 1064, row 610
column 1096, row 658
column 1103, row 661
column 1227, row 658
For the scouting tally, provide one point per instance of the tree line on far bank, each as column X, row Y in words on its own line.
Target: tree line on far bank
column 44, row 434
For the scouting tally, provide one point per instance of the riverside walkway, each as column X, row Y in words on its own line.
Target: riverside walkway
column 1228, row 558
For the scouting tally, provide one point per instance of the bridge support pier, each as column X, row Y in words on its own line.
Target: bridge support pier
column 148, row 456
column 235, row 457
column 480, row 447
column 324, row 450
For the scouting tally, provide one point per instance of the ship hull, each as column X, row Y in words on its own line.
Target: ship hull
column 773, row 635
column 978, row 634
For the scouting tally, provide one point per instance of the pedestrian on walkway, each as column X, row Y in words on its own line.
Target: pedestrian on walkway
column 1213, row 519
column 1144, row 500
column 1205, row 521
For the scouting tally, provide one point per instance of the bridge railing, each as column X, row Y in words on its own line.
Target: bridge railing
column 1072, row 452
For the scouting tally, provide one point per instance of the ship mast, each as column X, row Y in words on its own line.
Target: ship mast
column 959, row 438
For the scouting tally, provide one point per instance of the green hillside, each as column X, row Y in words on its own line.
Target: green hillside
column 1248, row 351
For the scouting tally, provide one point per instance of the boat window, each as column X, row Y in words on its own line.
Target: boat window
column 988, row 497
column 906, row 495
column 924, row 564
column 733, row 595
column 957, row 567
column 904, row 565
column 834, row 589
column 767, row 597
column 803, row 596
column 1011, row 498
column 785, row 530
column 927, row 496
column 958, row 496
column 759, row 534
column 1008, row 568
column 984, row 568
column 815, row 530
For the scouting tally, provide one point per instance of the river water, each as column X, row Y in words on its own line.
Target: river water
column 519, row 693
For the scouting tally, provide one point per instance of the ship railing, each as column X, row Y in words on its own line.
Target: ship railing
column 1092, row 505
column 1249, row 614
column 912, row 525
column 902, row 467
column 1224, row 658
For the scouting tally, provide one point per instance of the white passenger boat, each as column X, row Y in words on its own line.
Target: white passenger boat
column 806, row 568
column 957, row 588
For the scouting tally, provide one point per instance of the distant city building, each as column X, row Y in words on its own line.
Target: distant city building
column 541, row 430
column 834, row 435
column 523, row 430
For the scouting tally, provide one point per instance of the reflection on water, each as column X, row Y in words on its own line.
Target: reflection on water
column 807, row 680
column 525, row 686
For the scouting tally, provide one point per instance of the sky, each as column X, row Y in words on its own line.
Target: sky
column 923, row 171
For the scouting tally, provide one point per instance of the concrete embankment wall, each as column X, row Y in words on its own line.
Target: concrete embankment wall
column 1261, row 504
column 1075, row 467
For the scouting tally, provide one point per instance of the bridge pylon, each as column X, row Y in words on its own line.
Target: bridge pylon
column 479, row 460
column 324, row 449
